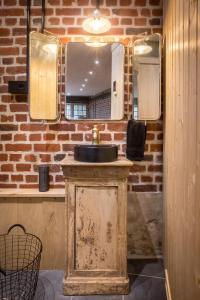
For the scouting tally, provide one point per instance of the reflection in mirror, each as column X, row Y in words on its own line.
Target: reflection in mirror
column 95, row 81
column 147, row 78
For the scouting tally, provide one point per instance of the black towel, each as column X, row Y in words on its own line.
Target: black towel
column 136, row 136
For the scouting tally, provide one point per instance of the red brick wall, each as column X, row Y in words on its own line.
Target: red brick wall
column 25, row 144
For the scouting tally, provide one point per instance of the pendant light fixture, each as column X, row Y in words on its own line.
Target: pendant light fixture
column 96, row 24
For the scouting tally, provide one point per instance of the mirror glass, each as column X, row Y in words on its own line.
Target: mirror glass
column 94, row 81
column 43, row 76
column 147, row 78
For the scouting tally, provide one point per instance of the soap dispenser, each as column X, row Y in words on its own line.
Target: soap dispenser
column 43, row 178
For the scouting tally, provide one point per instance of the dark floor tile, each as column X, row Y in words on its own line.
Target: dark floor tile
column 146, row 288
column 40, row 291
column 141, row 287
column 92, row 297
column 50, row 286
column 149, row 267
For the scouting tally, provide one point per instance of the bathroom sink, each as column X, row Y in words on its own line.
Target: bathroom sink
column 96, row 153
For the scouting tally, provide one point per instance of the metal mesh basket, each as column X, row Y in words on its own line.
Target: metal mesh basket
column 20, row 256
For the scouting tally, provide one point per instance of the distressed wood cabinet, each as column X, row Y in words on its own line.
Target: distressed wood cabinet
column 96, row 217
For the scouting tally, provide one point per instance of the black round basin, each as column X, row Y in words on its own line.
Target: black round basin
column 96, row 153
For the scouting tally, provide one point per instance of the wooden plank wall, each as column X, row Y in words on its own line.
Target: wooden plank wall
column 182, row 147
column 43, row 217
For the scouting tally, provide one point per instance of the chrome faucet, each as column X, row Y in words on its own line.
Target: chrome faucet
column 95, row 135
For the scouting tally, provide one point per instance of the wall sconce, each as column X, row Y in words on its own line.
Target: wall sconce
column 96, row 24
column 141, row 47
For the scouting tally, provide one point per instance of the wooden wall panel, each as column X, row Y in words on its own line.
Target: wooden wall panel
column 43, row 217
column 181, row 154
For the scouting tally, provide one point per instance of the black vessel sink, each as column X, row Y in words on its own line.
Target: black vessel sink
column 96, row 153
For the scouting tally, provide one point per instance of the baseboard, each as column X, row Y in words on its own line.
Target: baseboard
column 168, row 291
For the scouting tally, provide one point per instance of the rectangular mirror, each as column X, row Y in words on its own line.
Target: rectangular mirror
column 43, row 76
column 94, row 81
column 147, row 78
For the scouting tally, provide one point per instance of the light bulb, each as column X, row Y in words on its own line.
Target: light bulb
column 97, row 24
column 142, row 48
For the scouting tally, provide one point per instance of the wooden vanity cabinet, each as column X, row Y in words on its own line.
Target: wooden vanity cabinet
column 96, row 217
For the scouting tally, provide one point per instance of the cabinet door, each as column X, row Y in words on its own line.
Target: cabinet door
column 96, row 228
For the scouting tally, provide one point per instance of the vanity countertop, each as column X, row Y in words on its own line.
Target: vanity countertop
column 121, row 162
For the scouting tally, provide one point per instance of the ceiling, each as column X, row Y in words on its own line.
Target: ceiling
column 80, row 61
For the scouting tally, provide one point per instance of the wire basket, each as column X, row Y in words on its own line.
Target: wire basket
column 20, row 256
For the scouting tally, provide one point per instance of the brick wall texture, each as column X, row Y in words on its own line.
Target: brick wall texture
column 24, row 143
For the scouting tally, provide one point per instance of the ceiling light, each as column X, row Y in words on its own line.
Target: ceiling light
column 96, row 62
column 96, row 24
column 90, row 72
column 83, row 85
column 86, row 80
column 141, row 48
column 81, row 89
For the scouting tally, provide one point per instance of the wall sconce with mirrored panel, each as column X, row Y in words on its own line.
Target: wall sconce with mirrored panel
column 147, row 78
column 43, row 76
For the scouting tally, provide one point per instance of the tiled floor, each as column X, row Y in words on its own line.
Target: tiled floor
column 146, row 283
